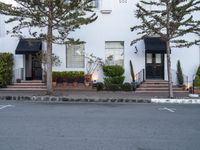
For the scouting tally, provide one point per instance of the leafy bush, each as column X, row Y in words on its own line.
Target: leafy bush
column 126, row 87
column 64, row 75
column 6, row 69
column 197, row 78
column 113, row 87
column 100, row 86
column 114, row 77
column 179, row 73
column 113, row 71
column 114, row 80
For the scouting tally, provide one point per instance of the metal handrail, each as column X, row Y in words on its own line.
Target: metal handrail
column 140, row 76
column 18, row 74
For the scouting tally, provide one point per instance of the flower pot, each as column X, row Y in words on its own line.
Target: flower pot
column 75, row 84
column 88, row 79
column 54, row 84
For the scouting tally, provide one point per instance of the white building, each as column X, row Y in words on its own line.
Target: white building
column 108, row 36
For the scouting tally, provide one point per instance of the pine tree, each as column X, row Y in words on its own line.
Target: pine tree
column 180, row 78
column 171, row 20
column 58, row 17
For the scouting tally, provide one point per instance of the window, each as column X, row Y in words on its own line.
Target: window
column 114, row 53
column 75, row 56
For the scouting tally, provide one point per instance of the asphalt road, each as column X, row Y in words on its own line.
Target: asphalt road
column 61, row 126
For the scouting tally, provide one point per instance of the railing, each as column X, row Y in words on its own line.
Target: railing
column 18, row 74
column 175, row 81
column 140, row 76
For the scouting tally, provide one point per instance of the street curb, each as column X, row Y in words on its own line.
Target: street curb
column 98, row 100
column 176, row 101
column 77, row 100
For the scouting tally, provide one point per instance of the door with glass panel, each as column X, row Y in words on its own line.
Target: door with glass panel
column 154, row 66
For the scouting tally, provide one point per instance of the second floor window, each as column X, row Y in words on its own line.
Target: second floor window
column 114, row 53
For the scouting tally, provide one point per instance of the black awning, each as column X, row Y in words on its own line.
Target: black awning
column 28, row 46
column 155, row 45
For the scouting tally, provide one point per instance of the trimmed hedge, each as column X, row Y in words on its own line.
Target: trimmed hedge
column 100, row 86
column 197, row 78
column 6, row 69
column 114, row 77
column 113, row 71
column 64, row 75
column 127, row 87
column 180, row 78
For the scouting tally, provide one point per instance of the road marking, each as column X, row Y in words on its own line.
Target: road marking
column 5, row 106
column 168, row 109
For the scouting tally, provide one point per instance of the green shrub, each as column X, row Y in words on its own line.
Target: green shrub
column 113, row 71
column 126, row 87
column 100, row 86
column 197, row 78
column 197, row 81
column 67, row 74
column 114, row 80
column 6, row 69
column 198, row 71
column 113, row 77
column 113, row 87
column 180, row 79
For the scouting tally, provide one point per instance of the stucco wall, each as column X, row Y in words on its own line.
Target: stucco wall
column 111, row 27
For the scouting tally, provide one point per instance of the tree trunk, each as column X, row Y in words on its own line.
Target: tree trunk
column 169, row 71
column 49, row 51
column 168, row 50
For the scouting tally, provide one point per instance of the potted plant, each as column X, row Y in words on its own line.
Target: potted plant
column 55, row 75
column 93, row 63
column 180, row 79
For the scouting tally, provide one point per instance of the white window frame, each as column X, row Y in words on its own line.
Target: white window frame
column 76, row 54
column 113, row 62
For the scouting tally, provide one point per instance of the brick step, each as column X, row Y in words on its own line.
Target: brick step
column 28, row 84
column 159, row 81
column 160, row 91
column 22, row 89
column 156, row 83
column 157, row 89
column 156, row 86
column 25, row 86
column 31, row 81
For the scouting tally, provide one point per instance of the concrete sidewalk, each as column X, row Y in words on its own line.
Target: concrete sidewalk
column 98, row 97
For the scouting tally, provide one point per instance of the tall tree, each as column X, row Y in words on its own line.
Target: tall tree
column 171, row 20
column 58, row 17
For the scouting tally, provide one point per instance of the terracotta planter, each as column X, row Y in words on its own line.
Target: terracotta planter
column 54, row 84
column 75, row 84
column 88, row 79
